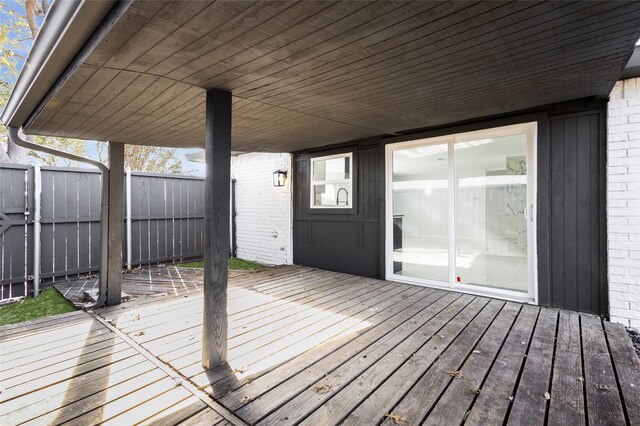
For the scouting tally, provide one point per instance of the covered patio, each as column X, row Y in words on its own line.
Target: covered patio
column 299, row 345
column 308, row 346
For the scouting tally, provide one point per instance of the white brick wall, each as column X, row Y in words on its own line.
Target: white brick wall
column 264, row 213
column 623, row 202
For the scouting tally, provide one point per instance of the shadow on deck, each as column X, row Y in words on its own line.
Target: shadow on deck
column 170, row 280
column 313, row 347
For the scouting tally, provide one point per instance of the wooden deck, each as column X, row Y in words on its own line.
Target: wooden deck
column 170, row 279
column 317, row 348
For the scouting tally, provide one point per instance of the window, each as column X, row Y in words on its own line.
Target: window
column 331, row 179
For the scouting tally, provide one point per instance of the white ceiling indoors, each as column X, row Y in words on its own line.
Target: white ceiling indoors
column 313, row 73
column 483, row 155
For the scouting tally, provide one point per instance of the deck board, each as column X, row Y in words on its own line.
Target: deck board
column 313, row 398
column 320, row 348
column 627, row 365
column 567, row 388
column 603, row 397
column 492, row 404
column 456, row 400
column 530, row 401
column 359, row 391
column 460, row 337
column 322, row 359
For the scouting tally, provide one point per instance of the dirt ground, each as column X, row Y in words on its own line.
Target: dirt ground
column 635, row 338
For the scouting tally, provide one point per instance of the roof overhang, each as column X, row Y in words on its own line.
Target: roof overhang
column 67, row 27
column 306, row 74
column 632, row 69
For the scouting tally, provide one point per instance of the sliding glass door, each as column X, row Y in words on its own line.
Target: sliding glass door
column 461, row 212
column 421, row 212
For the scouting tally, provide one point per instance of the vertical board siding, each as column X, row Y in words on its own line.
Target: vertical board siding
column 347, row 242
column 577, row 275
column 70, row 230
column 571, row 218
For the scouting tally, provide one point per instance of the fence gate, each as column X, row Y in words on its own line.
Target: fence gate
column 15, row 230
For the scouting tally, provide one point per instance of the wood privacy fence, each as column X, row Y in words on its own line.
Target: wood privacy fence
column 166, row 223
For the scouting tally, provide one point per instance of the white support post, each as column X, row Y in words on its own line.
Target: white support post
column 128, row 201
column 37, row 216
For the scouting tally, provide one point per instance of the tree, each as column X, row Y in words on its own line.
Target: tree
column 17, row 32
column 151, row 159
column 31, row 11
column 73, row 146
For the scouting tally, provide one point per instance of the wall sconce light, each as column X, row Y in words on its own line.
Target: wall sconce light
column 279, row 177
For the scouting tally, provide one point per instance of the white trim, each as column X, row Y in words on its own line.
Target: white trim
column 532, row 189
column 497, row 293
column 530, row 129
column 127, row 199
column 452, row 191
column 37, row 228
column 349, row 181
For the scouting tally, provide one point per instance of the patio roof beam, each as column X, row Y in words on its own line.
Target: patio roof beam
column 216, row 226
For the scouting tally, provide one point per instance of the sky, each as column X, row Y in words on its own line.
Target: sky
column 196, row 169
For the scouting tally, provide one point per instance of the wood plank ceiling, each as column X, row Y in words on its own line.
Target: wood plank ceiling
column 312, row 73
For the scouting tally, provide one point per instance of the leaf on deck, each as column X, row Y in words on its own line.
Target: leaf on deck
column 323, row 389
column 454, row 373
column 396, row 418
column 604, row 388
column 247, row 399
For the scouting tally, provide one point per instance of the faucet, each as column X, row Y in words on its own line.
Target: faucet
column 346, row 201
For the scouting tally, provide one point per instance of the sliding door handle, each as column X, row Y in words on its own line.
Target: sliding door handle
column 528, row 212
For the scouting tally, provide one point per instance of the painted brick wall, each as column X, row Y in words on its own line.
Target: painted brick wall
column 264, row 212
column 623, row 202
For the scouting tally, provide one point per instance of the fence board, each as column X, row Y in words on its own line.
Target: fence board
column 94, row 206
column 59, row 230
column 84, row 211
column 70, row 232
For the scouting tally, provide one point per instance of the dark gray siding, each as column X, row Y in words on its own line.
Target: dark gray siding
column 571, row 217
column 334, row 240
column 572, row 265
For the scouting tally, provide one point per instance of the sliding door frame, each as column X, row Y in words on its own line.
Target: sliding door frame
column 530, row 129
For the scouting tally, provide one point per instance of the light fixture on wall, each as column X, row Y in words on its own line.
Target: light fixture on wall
column 279, row 177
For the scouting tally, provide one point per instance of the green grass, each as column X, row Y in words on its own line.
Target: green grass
column 49, row 302
column 234, row 264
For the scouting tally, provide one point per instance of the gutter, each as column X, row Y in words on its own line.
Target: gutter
column 104, row 207
column 66, row 28
column 632, row 70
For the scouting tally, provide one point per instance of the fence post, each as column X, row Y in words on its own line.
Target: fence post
column 37, row 216
column 128, row 202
